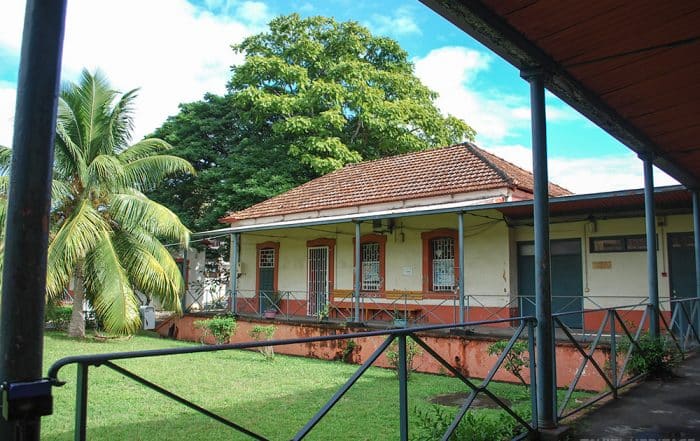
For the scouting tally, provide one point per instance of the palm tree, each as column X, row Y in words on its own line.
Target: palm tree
column 105, row 233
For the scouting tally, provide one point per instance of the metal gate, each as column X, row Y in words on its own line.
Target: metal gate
column 318, row 280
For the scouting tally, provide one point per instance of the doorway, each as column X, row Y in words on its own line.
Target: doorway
column 567, row 279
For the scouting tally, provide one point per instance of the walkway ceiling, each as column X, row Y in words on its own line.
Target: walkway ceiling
column 630, row 66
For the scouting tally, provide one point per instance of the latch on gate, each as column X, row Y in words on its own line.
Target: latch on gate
column 27, row 399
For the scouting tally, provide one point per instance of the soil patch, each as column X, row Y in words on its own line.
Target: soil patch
column 457, row 399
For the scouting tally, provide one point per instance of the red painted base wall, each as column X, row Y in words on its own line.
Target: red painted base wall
column 467, row 353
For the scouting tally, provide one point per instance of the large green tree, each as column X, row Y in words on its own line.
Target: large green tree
column 105, row 233
column 311, row 96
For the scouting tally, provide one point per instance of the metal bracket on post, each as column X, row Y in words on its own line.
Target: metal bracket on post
column 26, row 399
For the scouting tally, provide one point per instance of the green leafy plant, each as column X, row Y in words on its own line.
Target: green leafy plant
column 656, row 356
column 259, row 333
column 221, row 327
column 412, row 351
column 350, row 346
column 516, row 359
column 432, row 422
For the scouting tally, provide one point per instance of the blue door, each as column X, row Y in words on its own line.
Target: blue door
column 681, row 266
column 567, row 279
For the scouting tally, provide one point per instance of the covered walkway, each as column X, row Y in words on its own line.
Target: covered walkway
column 652, row 410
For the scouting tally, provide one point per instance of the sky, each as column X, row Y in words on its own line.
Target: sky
column 174, row 51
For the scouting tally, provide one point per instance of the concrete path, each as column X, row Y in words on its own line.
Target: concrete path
column 654, row 410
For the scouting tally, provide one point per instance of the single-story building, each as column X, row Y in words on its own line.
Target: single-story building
column 446, row 235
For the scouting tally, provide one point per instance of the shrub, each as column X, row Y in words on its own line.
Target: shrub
column 412, row 351
column 350, row 346
column 221, row 327
column 260, row 333
column 656, row 356
column 58, row 316
column 432, row 422
column 516, row 359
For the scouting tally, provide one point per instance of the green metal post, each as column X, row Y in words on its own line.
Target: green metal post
column 696, row 237
column 29, row 202
column 650, row 220
column 460, row 241
column 403, row 389
column 613, row 351
column 546, row 381
column 81, row 402
column 235, row 241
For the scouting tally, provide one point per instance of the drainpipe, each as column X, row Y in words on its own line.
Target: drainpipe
column 186, row 276
column 27, row 230
column 357, row 273
column 460, row 242
column 235, row 240
column 650, row 220
column 546, row 383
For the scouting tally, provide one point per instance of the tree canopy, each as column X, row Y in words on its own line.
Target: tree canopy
column 311, row 96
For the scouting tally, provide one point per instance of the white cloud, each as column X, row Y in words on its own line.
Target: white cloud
column 587, row 175
column 452, row 72
column 169, row 49
column 7, row 112
column 400, row 23
column 255, row 13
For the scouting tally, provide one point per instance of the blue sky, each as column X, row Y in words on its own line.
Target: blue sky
column 176, row 50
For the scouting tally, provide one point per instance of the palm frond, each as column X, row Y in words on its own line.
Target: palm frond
column 106, row 171
column 69, row 151
column 150, row 267
column 120, row 124
column 144, row 148
column 78, row 235
column 60, row 192
column 109, row 290
column 146, row 173
column 134, row 211
column 5, row 159
column 96, row 97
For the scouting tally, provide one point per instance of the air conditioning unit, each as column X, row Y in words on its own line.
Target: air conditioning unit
column 148, row 317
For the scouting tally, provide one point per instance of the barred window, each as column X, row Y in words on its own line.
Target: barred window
column 371, row 279
column 267, row 258
column 443, row 263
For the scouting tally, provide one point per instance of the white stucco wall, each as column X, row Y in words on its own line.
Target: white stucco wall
column 487, row 242
column 625, row 282
column 490, row 257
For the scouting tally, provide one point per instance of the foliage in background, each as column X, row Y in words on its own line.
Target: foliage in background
column 656, row 356
column 516, row 360
column 221, row 327
column 311, row 96
column 57, row 316
column 412, row 351
column 260, row 333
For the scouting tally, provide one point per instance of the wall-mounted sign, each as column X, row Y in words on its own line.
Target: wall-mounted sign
column 602, row 264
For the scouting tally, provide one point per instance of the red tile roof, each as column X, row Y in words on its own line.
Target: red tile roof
column 455, row 169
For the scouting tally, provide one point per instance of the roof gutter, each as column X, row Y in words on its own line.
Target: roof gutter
column 455, row 207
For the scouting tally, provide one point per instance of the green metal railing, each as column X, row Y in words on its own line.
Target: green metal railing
column 86, row 362
column 682, row 330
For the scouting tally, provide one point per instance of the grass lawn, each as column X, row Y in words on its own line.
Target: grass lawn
column 274, row 398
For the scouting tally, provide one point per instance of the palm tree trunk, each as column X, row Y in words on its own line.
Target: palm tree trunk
column 77, row 318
